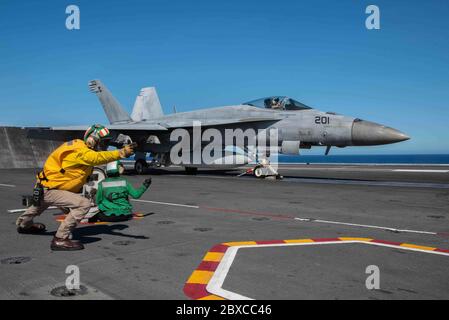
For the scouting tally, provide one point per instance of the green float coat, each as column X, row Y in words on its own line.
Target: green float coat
column 113, row 196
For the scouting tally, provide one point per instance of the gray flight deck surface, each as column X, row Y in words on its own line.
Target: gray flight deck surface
column 152, row 258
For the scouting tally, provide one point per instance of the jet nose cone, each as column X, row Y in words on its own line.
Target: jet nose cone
column 366, row 133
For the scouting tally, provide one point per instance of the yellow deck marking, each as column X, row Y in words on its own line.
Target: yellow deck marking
column 200, row 277
column 213, row 256
column 413, row 246
column 356, row 239
column 299, row 241
column 242, row 243
column 212, row 297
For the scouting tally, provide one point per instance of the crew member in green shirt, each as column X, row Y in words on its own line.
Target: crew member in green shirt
column 113, row 195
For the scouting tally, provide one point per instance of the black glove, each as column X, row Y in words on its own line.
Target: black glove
column 147, row 182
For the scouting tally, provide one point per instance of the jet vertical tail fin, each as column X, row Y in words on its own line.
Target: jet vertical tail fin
column 147, row 105
column 114, row 111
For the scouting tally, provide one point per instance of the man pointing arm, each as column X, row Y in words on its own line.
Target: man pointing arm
column 65, row 172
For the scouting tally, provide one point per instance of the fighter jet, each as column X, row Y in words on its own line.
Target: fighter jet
column 298, row 126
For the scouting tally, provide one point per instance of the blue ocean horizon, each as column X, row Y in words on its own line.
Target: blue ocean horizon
column 412, row 159
column 420, row 159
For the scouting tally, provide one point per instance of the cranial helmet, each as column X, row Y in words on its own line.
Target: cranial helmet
column 98, row 132
column 114, row 168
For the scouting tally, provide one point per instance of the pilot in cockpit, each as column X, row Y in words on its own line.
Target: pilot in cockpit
column 276, row 104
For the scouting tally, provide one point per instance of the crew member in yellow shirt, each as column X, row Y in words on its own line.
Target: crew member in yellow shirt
column 62, row 178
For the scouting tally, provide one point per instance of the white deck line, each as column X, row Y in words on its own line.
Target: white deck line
column 364, row 226
column 24, row 209
column 7, row 185
column 167, row 203
column 303, row 219
column 216, row 282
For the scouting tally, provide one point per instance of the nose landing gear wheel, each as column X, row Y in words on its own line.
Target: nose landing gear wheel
column 266, row 171
column 258, row 173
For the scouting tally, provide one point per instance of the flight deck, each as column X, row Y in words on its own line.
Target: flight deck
column 213, row 235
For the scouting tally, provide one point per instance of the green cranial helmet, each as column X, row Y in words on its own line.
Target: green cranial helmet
column 113, row 168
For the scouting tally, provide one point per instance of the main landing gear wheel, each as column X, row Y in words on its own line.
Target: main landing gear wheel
column 140, row 166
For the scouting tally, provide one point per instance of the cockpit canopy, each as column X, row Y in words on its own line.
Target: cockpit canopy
column 278, row 103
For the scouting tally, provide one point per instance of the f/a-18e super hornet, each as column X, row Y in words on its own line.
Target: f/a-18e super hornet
column 298, row 126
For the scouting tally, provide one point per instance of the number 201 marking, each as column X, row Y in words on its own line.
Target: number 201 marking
column 322, row 120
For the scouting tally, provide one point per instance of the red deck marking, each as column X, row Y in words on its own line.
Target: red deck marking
column 195, row 290
column 442, row 250
column 325, row 239
column 270, row 242
column 387, row 242
column 219, row 248
column 208, row 265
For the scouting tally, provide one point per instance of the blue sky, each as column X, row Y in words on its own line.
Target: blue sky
column 209, row 53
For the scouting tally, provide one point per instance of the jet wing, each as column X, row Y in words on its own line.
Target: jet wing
column 117, row 127
column 262, row 122
column 76, row 132
column 135, row 129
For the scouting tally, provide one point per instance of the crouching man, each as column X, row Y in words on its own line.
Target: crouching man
column 113, row 195
column 63, row 176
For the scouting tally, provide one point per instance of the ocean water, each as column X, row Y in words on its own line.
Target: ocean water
column 369, row 159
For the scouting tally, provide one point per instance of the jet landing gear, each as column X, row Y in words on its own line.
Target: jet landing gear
column 140, row 162
column 141, row 165
column 158, row 160
column 263, row 170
